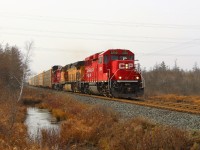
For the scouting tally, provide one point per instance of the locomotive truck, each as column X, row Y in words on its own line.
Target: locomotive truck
column 111, row 73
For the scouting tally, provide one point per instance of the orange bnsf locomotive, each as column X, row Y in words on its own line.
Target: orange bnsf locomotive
column 110, row 73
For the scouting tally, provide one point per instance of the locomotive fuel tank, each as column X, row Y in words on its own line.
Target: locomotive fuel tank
column 93, row 88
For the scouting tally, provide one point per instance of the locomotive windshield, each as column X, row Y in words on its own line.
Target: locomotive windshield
column 122, row 57
column 112, row 57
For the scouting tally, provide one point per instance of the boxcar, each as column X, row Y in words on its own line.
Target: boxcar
column 41, row 79
column 48, row 78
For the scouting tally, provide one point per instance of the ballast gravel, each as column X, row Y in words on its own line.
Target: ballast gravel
column 160, row 116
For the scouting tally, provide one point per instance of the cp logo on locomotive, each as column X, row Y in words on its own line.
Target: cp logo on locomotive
column 125, row 65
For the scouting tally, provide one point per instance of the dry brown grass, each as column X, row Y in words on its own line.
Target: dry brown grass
column 92, row 127
column 177, row 98
column 59, row 114
column 13, row 134
column 139, row 134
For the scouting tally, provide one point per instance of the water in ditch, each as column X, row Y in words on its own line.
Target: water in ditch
column 38, row 120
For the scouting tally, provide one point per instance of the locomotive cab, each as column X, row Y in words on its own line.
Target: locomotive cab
column 123, row 78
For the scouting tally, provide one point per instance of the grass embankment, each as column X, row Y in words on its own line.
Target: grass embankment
column 91, row 127
column 13, row 133
column 177, row 98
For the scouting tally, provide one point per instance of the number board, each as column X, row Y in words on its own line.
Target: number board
column 113, row 52
column 124, row 52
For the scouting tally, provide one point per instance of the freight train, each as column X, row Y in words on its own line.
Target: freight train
column 111, row 73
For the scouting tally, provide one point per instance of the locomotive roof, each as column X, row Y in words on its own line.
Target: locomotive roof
column 56, row 67
column 76, row 64
column 120, row 50
column 95, row 56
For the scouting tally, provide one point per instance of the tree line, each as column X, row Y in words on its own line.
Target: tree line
column 11, row 67
column 163, row 80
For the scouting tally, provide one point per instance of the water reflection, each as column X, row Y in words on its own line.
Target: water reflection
column 38, row 120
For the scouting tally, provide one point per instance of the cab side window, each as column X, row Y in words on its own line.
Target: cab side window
column 100, row 61
column 131, row 57
column 106, row 59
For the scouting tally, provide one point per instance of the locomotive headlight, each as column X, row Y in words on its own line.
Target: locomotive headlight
column 126, row 66
column 137, row 78
column 120, row 77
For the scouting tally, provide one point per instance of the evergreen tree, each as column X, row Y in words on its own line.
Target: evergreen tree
column 11, row 67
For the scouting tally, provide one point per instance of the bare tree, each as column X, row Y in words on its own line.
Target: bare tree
column 13, row 70
column 28, row 47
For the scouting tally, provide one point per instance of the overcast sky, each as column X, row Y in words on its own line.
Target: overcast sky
column 66, row 31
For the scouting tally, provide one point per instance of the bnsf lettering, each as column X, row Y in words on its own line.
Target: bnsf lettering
column 125, row 66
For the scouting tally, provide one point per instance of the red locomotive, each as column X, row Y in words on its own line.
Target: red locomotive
column 113, row 73
column 110, row 73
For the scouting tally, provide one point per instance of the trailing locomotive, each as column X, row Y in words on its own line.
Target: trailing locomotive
column 111, row 73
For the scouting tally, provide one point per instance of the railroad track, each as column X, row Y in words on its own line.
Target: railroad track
column 181, row 107
column 174, row 106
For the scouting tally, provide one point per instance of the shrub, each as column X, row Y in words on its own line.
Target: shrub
column 59, row 114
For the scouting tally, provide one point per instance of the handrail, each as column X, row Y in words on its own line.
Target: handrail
column 109, row 80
